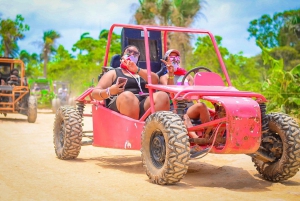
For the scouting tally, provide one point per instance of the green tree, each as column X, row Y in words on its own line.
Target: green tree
column 83, row 43
column 281, row 87
column 146, row 12
column 33, row 65
column 95, row 48
column 205, row 55
column 49, row 39
column 244, row 72
column 184, row 13
column 275, row 31
column 294, row 24
column 10, row 32
column 167, row 12
column 289, row 55
column 24, row 56
column 170, row 13
column 80, row 71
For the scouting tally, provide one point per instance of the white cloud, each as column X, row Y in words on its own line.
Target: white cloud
column 230, row 19
column 71, row 18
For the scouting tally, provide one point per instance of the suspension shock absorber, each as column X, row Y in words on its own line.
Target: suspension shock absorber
column 261, row 154
column 80, row 108
column 264, row 118
column 181, row 107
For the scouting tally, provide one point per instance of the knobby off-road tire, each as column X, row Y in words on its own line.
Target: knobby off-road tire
column 55, row 104
column 72, row 101
column 165, row 148
column 67, row 133
column 282, row 141
column 32, row 109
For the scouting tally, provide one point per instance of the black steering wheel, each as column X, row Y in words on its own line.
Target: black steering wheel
column 194, row 70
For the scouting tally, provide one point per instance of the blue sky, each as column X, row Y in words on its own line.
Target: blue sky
column 227, row 18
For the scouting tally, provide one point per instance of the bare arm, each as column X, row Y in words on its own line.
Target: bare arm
column 143, row 74
column 105, row 86
column 168, row 79
column 190, row 80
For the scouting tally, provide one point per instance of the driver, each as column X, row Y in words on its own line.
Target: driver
column 173, row 76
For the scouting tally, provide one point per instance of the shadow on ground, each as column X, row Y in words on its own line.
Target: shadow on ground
column 199, row 174
column 6, row 119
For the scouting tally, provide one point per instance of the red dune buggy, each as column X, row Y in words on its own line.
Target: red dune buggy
column 239, row 122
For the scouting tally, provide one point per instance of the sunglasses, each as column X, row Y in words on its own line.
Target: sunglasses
column 130, row 52
column 175, row 59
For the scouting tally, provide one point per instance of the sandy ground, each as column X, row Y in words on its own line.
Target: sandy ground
column 29, row 170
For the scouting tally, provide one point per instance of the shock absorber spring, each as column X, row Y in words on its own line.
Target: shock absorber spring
column 181, row 107
column 264, row 118
column 80, row 108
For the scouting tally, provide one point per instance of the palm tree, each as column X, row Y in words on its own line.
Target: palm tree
column 24, row 56
column 79, row 44
column 10, row 32
column 146, row 12
column 183, row 15
column 153, row 12
column 49, row 39
column 170, row 13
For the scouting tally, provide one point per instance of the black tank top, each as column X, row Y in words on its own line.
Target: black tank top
column 131, row 84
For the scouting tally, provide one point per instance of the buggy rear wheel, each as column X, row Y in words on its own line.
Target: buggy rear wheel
column 281, row 142
column 165, row 148
column 67, row 133
column 32, row 109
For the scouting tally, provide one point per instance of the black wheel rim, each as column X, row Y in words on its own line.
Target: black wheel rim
column 158, row 149
column 273, row 145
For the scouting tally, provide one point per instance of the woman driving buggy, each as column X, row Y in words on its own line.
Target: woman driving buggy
column 130, row 98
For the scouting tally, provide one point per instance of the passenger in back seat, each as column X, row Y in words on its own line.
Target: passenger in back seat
column 132, row 99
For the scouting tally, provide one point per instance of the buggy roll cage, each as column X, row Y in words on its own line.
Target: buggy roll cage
column 176, row 92
column 165, row 30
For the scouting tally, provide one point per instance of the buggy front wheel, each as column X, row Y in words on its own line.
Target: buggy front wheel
column 32, row 109
column 67, row 133
column 165, row 148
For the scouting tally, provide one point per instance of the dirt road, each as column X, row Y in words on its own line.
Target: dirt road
column 29, row 170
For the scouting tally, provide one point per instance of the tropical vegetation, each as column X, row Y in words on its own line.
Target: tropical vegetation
column 275, row 72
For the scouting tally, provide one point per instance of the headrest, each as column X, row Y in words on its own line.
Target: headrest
column 115, row 61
